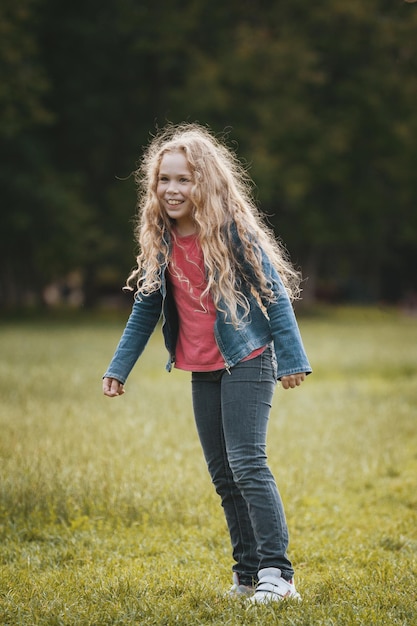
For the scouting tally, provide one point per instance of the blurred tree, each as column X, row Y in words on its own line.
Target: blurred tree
column 319, row 99
column 43, row 219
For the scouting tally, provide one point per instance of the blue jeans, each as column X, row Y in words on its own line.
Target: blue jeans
column 231, row 413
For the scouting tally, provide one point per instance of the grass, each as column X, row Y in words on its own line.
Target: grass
column 107, row 513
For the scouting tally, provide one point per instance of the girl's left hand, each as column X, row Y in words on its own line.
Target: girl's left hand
column 295, row 380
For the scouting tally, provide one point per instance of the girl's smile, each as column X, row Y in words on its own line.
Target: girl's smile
column 175, row 183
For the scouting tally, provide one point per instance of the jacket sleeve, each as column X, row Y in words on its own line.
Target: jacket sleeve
column 145, row 314
column 289, row 348
column 288, row 345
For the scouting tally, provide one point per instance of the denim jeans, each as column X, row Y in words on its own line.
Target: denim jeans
column 231, row 413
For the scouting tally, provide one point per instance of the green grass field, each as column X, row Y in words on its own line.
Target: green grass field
column 107, row 513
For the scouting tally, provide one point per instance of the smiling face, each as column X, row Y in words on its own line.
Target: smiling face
column 175, row 182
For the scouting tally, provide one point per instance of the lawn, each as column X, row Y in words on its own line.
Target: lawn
column 107, row 513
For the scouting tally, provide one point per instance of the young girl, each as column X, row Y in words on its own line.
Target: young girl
column 224, row 286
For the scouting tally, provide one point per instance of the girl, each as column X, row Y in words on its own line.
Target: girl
column 224, row 286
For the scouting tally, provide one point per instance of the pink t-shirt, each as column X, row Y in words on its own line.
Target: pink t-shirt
column 196, row 349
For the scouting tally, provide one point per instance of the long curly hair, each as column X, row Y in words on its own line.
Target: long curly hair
column 223, row 203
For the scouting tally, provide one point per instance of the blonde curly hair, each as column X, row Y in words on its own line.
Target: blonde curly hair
column 223, row 203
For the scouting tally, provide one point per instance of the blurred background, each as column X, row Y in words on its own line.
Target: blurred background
column 319, row 100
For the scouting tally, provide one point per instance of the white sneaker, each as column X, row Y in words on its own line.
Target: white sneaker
column 273, row 588
column 240, row 591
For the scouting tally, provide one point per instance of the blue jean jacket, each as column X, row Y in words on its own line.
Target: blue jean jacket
column 278, row 326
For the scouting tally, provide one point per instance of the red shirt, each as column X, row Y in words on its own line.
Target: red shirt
column 196, row 349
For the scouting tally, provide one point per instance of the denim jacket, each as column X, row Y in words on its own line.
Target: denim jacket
column 277, row 326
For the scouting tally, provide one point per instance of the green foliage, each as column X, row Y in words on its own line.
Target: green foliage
column 24, row 81
column 319, row 100
column 107, row 513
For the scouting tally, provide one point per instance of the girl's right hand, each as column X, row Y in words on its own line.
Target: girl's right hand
column 112, row 387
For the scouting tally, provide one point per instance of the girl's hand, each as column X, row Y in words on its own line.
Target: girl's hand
column 112, row 387
column 295, row 380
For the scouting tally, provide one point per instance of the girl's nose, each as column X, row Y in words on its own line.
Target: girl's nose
column 172, row 186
